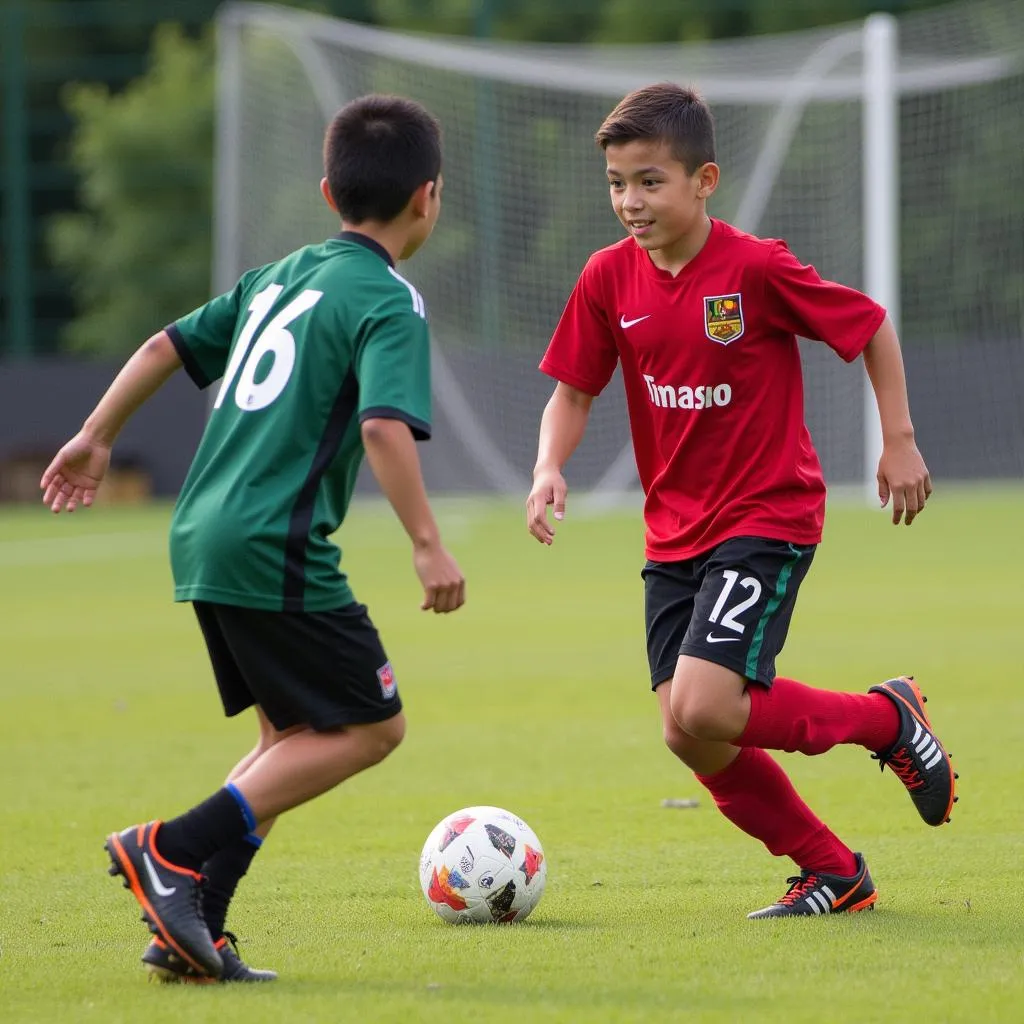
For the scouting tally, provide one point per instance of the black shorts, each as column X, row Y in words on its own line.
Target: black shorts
column 731, row 606
column 322, row 669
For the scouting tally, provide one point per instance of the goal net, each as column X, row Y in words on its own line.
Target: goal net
column 886, row 153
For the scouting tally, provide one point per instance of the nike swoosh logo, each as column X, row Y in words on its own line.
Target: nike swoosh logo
column 712, row 639
column 154, row 879
column 623, row 322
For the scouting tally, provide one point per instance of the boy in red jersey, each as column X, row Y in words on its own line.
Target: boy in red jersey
column 704, row 319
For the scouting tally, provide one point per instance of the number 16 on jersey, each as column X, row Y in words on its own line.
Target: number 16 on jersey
column 275, row 339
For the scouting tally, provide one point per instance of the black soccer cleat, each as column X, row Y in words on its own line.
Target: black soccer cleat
column 813, row 893
column 917, row 757
column 170, row 896
column 166, row 966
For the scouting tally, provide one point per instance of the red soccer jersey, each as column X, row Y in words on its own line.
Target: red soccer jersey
column 713, row 383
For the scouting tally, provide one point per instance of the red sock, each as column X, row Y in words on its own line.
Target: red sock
column 755, row 794
column 791, row 716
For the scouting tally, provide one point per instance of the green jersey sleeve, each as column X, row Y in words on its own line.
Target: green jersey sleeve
column 392, row 366
column 203, row 338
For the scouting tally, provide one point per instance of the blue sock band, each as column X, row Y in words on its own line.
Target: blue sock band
column 254, row 840
column 243, row 805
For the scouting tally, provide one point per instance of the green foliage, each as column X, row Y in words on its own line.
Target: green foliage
column 138, row 249
column 621, row 21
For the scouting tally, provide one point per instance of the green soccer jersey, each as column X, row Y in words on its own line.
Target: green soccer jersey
column 307, row 348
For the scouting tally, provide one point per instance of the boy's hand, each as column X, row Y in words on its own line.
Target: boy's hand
column 444, row 587
column 903, row 475
column 549, row 488
column 75, row 473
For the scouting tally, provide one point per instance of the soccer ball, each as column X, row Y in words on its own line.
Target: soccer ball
column 482, row 865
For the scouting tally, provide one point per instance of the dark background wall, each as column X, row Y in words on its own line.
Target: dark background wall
column 43, row 403
column 962, row 435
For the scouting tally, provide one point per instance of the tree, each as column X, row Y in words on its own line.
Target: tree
column 138, row 249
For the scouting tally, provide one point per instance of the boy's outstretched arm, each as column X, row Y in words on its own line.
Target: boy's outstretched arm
column 561, row 430
column 902, row 473
column 391, row 453
column 77, row 469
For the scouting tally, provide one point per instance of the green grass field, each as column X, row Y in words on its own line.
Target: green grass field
column 533, row 697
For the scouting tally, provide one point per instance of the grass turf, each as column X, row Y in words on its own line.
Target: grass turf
column 533, row 697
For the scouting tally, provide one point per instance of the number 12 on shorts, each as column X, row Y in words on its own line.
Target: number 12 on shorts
column 729, row 620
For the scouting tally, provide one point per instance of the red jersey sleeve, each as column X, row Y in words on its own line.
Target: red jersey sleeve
column 799, row 301
column 582, row 351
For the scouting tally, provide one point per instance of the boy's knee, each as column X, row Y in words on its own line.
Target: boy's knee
column 708, row 701
column 681, row 743
column 707, row 716
column 396, row 731
column 385, row 736
column 701, row 756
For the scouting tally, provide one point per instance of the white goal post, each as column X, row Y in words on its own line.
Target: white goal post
column 817, row 131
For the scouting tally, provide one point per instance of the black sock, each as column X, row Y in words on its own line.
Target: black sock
column 192, row 838
column 224, row 870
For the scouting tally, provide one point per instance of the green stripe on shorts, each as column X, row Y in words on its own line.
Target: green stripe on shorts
column 754, row 654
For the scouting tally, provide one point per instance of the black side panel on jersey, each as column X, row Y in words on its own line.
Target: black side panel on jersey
column 342, row 412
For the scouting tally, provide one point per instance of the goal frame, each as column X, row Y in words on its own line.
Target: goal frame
column 878, row 87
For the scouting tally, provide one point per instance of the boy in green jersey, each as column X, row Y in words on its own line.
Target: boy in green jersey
column 321, row 356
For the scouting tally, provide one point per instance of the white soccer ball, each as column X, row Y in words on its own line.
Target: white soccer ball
column 482, row 865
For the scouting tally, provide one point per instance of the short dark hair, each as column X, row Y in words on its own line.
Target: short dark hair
column 377, row 151
column 665, row 112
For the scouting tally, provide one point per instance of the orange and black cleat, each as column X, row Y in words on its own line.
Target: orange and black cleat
column 163, row 964
column 811, row 894
column 170, row 896
column 917, row 757
column 166, row 966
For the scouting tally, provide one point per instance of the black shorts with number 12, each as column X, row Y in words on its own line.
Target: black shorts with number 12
column 731, row 606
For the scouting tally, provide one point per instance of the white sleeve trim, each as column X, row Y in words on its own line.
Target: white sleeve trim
column 418, row 305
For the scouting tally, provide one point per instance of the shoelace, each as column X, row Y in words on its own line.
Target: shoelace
column 799, row 886
column 903, row 767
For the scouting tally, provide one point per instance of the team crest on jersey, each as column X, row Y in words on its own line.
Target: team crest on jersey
column 723, row 317
column 386, row 678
